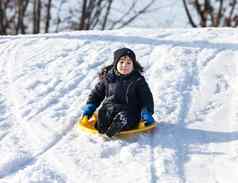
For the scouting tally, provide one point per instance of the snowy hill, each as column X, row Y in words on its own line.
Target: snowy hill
column 45, row 80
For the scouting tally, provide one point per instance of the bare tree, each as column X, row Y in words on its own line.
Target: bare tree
column 92, row 11
column 96, row 13
column 85, row 15
column 105, row 18
column 21, row 6
column 36, row 16
column 12, row 14
column 211, row 13
column 7, row 20
column 48, row 16
column 2, row 19
column 17, row 16
column 131, row 14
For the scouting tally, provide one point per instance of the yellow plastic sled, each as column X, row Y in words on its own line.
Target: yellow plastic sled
column 87, row 125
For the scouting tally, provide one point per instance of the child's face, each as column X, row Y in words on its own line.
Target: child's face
column 125, row 65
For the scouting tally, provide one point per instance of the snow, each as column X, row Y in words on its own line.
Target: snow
column 45, row 80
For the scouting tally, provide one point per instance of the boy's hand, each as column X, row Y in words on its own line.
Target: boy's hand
column 88, row 110
column 147, row 116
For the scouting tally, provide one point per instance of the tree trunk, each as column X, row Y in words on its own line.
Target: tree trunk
column 83, row 15
column 21, row 7
column 2, row 19
column 105, row 18
column 48, row 16
column 36, row 16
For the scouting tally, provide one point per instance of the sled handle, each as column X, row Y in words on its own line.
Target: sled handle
column 141, row 124
column 84, row 120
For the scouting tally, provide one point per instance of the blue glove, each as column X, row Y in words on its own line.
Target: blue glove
column 147, row 116
column 89, row 109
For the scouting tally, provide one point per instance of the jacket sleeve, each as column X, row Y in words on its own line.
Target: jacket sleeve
column 145, row 95
column 97, row 94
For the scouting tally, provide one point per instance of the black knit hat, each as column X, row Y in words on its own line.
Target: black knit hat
column 123, row 52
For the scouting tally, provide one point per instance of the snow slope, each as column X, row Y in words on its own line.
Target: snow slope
column 45, row 80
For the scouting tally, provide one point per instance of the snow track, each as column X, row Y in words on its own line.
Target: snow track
column 45, row 80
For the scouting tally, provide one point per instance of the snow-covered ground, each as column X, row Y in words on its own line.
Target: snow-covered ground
column 45, row 80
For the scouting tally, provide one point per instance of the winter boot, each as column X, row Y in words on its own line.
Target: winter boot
column 118, row 123
column 104, row 120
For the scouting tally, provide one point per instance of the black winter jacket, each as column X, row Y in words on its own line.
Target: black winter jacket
column 130, row 93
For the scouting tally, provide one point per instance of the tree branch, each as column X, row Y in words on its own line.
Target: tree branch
column 188, row 14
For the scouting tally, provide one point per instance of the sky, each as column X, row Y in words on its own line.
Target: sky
column 45, row 80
